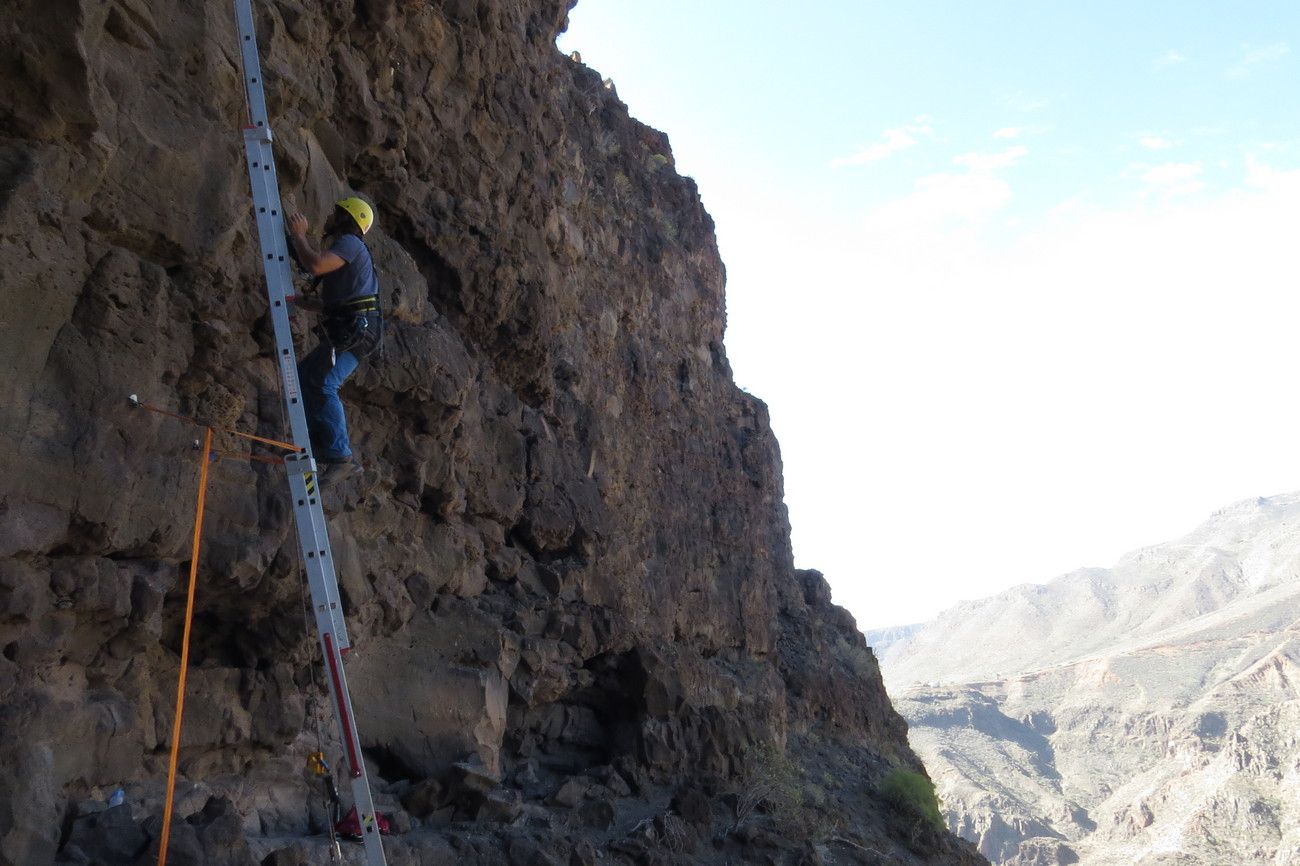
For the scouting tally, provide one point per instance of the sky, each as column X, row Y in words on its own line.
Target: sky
column 1017, row 280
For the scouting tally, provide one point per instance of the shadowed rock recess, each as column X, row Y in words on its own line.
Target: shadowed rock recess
column 580, row 635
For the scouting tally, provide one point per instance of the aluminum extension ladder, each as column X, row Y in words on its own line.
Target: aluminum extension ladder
column 313, row 534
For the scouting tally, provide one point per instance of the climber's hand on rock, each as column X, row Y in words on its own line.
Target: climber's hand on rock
column 298, row 225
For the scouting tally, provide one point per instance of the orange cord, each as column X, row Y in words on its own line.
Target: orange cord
column 287, row 446
column 185, row 649
column 254, row 458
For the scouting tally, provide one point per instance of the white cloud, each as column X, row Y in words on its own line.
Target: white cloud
column 1173, row 172
column 1174, row 178
column 1010, row 133
column 988, row 162
column 950, row 201
column 1021, row 101
column 1263, row 178
column 941, row 199
column 1258, row 56
column 1079, row 390
column 1151, row 141
column 1269, row 54
column 891, row 142
column 1169, row 58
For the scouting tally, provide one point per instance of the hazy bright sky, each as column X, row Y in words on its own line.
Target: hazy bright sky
column 1018, row 280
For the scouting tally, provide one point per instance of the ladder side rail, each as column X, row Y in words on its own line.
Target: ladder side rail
column 328, row 614
column 269, row 214
column 360, row 779
column 313, row 536
column 269, row 217
column 272, row 236
column 313, row 540
column 258, row 116
column 279, row 279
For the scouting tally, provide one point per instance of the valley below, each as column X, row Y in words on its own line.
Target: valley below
column 1145, row 714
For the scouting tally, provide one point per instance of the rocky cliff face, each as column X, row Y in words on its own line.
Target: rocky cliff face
column 1144, row 714
column 567, row 570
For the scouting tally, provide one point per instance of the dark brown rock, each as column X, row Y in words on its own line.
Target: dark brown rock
column 596, row 814
column 571, row 793
column 110, row 837
column 693, row 807
column 500, row 807
column 569, row 545
column 423, row 798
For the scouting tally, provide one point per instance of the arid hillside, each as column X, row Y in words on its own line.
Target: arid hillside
column 1141, row 715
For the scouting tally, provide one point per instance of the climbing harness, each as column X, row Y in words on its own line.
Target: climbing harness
column 354, row 326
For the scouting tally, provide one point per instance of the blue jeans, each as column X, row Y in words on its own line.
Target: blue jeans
column 320, row 396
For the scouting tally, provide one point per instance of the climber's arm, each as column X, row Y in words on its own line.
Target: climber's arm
column 314, row 261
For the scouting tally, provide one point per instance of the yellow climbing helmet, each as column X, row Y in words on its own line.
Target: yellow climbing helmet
column 359, row 210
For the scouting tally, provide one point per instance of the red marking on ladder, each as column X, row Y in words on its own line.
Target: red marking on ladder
column 345, row 717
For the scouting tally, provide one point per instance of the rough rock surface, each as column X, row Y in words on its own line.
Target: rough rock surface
column 567, row 568
column 1135, row 716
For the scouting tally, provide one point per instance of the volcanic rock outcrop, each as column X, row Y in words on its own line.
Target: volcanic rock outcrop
column 567, row 570
column 1136, row 716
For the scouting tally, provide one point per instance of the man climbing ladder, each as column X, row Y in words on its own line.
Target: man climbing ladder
column 351, row 328
column 309, row 517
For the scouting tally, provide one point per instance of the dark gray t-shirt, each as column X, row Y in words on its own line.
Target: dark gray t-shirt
column 356, row 279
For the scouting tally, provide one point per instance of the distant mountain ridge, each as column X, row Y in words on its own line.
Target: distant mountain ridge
column 1217, row 572
column 1141, row 714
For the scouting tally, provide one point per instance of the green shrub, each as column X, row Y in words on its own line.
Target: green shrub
column 772, row 778
column 776, row 786
column 912, row 795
